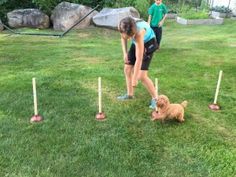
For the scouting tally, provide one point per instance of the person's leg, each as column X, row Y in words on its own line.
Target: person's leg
column 128, row 71
column 155, row 29
column 148, row 84
column 158, row 34
column 146, row 81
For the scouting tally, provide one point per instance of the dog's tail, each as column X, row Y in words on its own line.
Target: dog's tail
column 184, row 104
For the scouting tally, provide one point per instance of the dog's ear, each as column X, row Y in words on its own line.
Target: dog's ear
column 160, row 97
column 163, row 104
column 166, row 100
column 160, row 101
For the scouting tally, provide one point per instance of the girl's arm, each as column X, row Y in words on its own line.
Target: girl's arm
column 139, row 55
column 124, row 49
column 162, row 21
column 149, row 19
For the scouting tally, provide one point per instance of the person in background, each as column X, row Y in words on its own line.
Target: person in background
column 157, row 15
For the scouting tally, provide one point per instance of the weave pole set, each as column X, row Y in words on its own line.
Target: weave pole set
column 37, row 118
column 100, row 116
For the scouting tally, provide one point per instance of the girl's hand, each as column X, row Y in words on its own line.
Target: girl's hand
column 134, row 83
column 160, row 23
column 126, row 60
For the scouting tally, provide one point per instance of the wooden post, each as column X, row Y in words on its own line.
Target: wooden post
column 99, row 95
column 100, row 115
column 156, row 86
column 35, row 97
column 218, row 87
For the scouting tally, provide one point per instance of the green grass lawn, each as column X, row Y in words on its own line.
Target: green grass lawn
column 70, row 142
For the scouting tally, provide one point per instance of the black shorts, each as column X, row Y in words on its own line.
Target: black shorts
column 132, row 58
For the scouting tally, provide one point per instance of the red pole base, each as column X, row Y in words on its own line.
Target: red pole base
column 100, row 116
column 36, row 118
column 214, row 107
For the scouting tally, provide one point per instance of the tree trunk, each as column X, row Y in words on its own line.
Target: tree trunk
column 229, row 3
column 212, row 3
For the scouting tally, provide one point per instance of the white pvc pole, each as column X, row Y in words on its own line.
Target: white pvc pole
column 218, row 87
column 35, row 97
column 156, row 86
column 100, row 95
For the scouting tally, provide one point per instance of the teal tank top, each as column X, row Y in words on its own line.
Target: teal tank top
column 149, row 32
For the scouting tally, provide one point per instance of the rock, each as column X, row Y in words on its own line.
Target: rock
column 215, row 14
column 234, row 11
column 214, row 21
column 67, row 14
column 171, row 16
column 28, row 18
column 1, row 26
column 110, row 18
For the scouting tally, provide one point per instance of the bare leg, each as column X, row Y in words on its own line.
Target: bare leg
column 148, row 84
column 128, row 70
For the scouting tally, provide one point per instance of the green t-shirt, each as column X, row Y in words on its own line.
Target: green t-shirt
column 157, row 12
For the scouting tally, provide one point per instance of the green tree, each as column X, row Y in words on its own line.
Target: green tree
column 142, row 6
column 9, row 5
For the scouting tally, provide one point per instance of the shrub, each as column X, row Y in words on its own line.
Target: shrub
column 142, row 6
column 9, row 5
column 48, row 5
column 124, row 3
column 172, row 8
column 193, row 14
column 204, row 5
column 221, row 9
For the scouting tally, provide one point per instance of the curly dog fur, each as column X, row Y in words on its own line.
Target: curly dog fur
column 166, row 110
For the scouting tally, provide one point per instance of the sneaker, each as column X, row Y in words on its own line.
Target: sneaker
column 125, row 97
column 153, row 104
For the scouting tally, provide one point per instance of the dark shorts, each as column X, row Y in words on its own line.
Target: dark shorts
column 132, row 58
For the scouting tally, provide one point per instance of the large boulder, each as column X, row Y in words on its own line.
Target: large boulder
column 67, row 14
column 110, row 18
column 1, row 26
column 33, row 18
